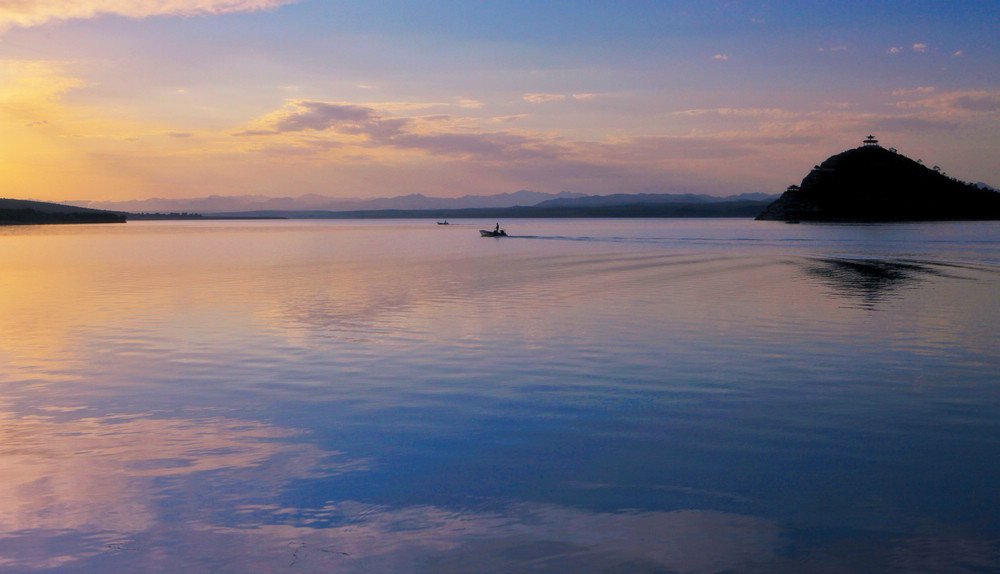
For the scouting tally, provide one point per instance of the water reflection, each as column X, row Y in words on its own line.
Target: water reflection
column 660, row 397
column 521, row 537
column 81, row 483
column 867, row 282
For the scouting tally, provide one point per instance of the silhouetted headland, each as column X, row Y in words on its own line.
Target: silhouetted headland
column 25, row 212
column 874, row 184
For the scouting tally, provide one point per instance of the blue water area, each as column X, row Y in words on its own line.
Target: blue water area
column 703, row 396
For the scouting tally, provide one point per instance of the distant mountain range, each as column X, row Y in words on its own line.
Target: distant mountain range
column 258, row 204
column 619, row 199
column 313, row 202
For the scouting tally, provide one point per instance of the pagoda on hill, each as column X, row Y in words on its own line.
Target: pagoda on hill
column 873, row 184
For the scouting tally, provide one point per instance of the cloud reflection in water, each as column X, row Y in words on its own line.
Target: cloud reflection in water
column 521, row 537
column 81, row 485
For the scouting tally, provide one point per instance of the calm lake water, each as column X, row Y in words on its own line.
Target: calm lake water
column 690, row 396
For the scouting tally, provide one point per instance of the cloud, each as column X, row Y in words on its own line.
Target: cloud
column 978, row 102
column 738, row 112
column 37, row 12
column 911, row 123
column 920, row 48
column 348, row 119
column 495, row 145
column 435, row 135
column 961, row 102
column 689, row 147
column 894, row 50
column 721, row 57
column 508, row 119
column 542, row 98
column 921, row 90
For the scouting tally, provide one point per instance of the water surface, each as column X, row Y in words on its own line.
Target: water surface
column 587, row 395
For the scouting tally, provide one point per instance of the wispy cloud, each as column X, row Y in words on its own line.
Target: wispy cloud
column 304, row 115
column 921, row 90
column 542, row 98
column 508, row 119
column 434, row 135
column 920, row 48
column 721, row 57
column 741, row 112
column 33, row 13
column 960, row 102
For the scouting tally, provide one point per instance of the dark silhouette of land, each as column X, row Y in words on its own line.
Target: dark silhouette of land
column 874, row 184
column 24, row 212
column 186, row 216
column 625, row 209
column 16, row 211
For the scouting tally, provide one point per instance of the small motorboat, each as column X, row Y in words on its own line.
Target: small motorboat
column 494, row 233
column 445, row 222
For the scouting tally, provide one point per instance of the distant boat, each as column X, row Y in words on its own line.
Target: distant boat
column 488, row 233
column 445, row 222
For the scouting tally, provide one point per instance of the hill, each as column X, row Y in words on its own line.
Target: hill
column 874, row 184
column 25, row 212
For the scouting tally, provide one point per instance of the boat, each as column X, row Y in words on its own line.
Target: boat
column 489, row 233
column 445, row 222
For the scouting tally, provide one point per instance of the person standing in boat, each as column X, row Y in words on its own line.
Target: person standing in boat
column 497, row 230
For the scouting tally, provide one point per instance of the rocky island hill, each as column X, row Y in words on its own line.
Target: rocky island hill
column 874, row 184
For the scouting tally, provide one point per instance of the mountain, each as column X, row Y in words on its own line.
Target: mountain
column 622, row 199
column 25, row 212
column 874, row 184
column 313, row 202
column 416, row 205
column 724, row 208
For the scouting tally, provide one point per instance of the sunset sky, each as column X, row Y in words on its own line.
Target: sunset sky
column 111, row 100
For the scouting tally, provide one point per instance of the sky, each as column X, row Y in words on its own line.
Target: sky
column 114, row 100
